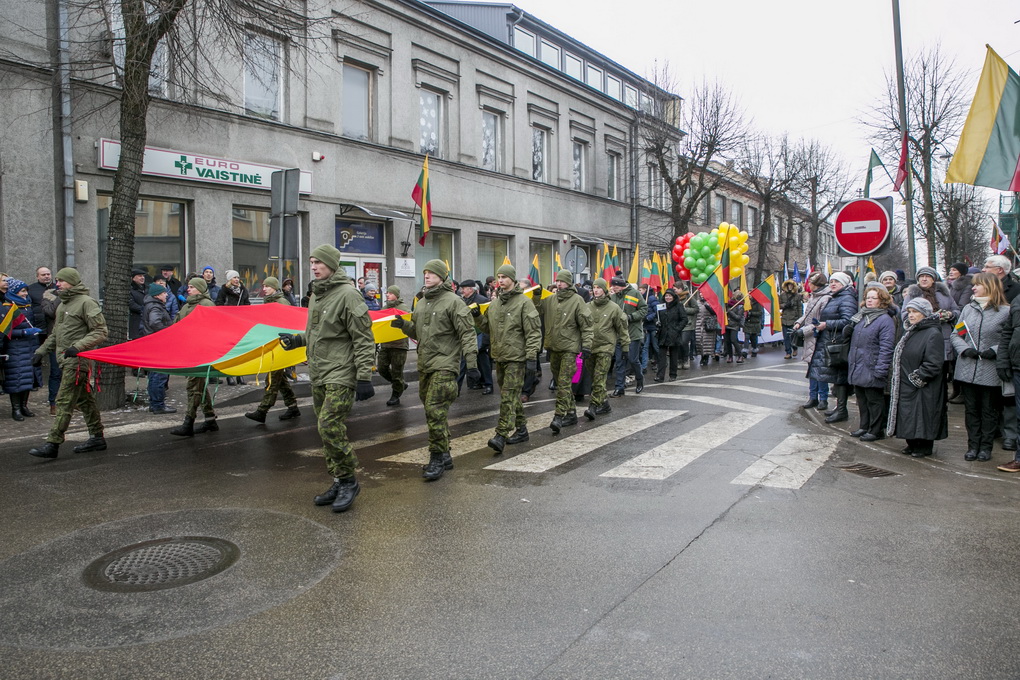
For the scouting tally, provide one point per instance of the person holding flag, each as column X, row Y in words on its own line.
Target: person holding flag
column 635, row 309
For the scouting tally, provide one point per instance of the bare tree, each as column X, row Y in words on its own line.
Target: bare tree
column 937, row 104
column 683, row 147
column 772, row 168
column 962, row 222
column 824, row 184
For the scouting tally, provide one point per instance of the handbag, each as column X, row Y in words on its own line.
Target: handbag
column 798, row 338
column 837, row 354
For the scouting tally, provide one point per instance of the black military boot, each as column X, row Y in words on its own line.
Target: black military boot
column 447, row 461
column 16, row 407
column 434, row 469
column 91, row 444
column 291, row 412
column 346, row 491
column 497, row 443
column 329, row 495
column 47, row 450
column 208, row 425
column 185, row 429
column 258, row 415
column 24, row 405
column 603, row 408
column 589, row 412
column 570, row 418
column 519, row 436
column 394, row 399
column 556, row 424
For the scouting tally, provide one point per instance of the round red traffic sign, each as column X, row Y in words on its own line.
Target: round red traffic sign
column 862, row 226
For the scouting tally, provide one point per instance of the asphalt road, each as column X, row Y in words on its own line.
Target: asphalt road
column 707, row 528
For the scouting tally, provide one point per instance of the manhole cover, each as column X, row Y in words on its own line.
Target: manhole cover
column 160, row 564
column 868, row 470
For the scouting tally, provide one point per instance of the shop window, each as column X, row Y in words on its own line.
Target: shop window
column 250, row 232
column 159, row 234
column 491, row 252
column 438, row 246
column 544, row 250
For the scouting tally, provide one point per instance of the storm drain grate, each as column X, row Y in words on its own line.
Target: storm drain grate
column 868, row 470
column 160, row 564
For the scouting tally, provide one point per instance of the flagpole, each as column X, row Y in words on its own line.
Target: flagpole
column 908, row 196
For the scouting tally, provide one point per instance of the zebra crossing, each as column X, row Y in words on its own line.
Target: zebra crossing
column 789, row 463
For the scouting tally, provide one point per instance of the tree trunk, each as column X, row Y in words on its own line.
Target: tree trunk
column 763, row 239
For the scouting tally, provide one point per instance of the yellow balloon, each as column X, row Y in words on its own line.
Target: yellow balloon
column 735, row 244
column 744, row 260
column 743, row 236
column 735, row 270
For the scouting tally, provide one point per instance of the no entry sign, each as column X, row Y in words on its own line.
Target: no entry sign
column 862, row 226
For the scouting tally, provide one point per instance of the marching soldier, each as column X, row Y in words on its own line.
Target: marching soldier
column 610, row 328
column 393, row 355
column 628, row 351
column 276, row 381
column 568, row 330
column 198, row 389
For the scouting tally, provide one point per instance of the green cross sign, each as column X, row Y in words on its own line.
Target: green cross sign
column 183, row 164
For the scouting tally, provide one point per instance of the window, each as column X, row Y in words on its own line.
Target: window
column 544, row 250
column 572, row 65
column 719, row 208
column 430, row 141
column 356, row 102
column 614, row 87
column 630, row 96
column 539, row 154
column 579, row 167
column 594, row 77
column 159, row 233
column 647, row 104
column 613, row 175
column 737, row 214
column 775, row 229
column 492, row 141
column 159, row 71
column 551, row 54
column 752, row 220
column 491, row 253
column 263, row 62
column 438, row 246
column 524, row 41
column 250, row 232
column 654, row 187
column 796, row 228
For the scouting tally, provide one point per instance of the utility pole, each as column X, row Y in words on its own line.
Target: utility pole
column 908, row 193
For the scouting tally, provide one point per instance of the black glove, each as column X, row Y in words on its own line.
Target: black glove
column 398, row 322
column 288, row 341
column 970, row 353
column 71, row 352
column 474, row 376
column 531, row 366
column 585, row 354
column 475, row 311
column 1005, row 374
column 37, row 360
column 420, row 294
column 364, row 390
column 988, row 354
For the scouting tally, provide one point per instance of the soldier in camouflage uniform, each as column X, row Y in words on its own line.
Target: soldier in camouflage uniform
column 628, row 351
column 393, row 355
column 80, row 326
column 276, row 381
column 442, row 326
column 341, row 350
column 610, row 326
column 198, row 388
column 568, row 330
column 515, row 337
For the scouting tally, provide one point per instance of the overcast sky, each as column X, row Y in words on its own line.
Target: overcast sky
column 808, row 67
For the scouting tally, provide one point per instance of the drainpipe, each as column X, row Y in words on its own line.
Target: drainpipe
column 518, row 15
column 67, row 158
column 634, row 231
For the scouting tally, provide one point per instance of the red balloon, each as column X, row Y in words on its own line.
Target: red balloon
column 683, row 273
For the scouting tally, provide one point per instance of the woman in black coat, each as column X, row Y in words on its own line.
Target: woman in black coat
column 917, row 389
column 671, row 327
column 19, row 348
column 835, row 316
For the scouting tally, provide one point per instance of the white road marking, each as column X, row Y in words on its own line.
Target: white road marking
column 458, row 447
column 730, row 386
column 552, row 455
column 782, row 381
column 790, row 463
column 669, row 458
column 729, row 404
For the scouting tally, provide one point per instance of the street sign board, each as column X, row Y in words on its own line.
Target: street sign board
column 862, row 226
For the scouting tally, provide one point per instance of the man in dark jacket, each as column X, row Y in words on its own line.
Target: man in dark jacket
column 1001, row 266
column 1007, row 365
column 650, row 341
column 471, row 296
column 173, row 284
column 43, row 309
column 628, row 352
column 155, row 318
column 136, row 302
column 393, row 355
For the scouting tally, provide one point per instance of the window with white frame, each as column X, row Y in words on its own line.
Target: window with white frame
column 492, row 140
column 776, row 229
column 263, row 76
column 737, row 214
column 572, row 65
column 752, row 220
column 613, row 175
column 593, row 77
column 356, row 102
column 655, row 194
column 551, row 54
column 525, row 41
column 539, row 154
column 796, row 227
column 630, row 96
column 614, row 87
column 159, row 71
column 579, row 166
column 719, row 207
column 431, row 120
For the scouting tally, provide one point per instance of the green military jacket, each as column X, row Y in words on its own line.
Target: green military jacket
column 635, row 308
column 79, row 323
column 278, row 298
column 568, row 326
column 402, row 343
column 441, row 323
column 513, row 325
column 341, row 348
column 200, row 300
column 610, row 324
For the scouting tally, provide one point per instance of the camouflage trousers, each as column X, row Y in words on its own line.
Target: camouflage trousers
column 198, row 395
column 332, row 404
column 276, row 382
column 391, row 368
column 437, row 391
column 563, row 366
column 510, row 378
column 75, row 392
column 599, row 376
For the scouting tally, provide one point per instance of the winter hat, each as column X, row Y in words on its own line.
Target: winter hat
column 508, row 271
column 156, row 289
column 328, row 255
column 272, row 282
column 199, row 283
column 874, row 284
column 842, row 278
column 618, row 281
column 890, row 274
column 437, row 267
column 817, row 280
column 601, row 283
column 231, row 273
column 923, row 271
column 208, row 268
column 960, row 267
column 371, row 287
column 920, row 304
column 565, row 276
column 468, row 283
column 68, row 274
column 394, row 290
column 139, row 272
column 290, row 281
column 14, row 286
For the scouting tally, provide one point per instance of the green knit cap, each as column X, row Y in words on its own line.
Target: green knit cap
column 601, row 283
column 199, row 284
column 328, row 255
column 394, row 290
column 508, row 271
column 437, row 267
column 272, row 282
column 565, row 276
column 69, row 274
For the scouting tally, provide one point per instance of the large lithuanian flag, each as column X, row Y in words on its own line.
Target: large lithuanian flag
column 989, row 150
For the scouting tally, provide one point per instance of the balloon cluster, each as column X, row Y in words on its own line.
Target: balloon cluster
column 697, row 255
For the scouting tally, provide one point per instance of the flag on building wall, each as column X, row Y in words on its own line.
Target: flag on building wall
column 533, row 272
column 422, row 196
column 988, row 153
column 767, row 295
column 873, row 163
column 901, row 168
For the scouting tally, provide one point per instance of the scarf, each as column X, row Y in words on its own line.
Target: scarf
column 867, row 315
column 983, row 301
column 600, row 301
column 505, row 295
